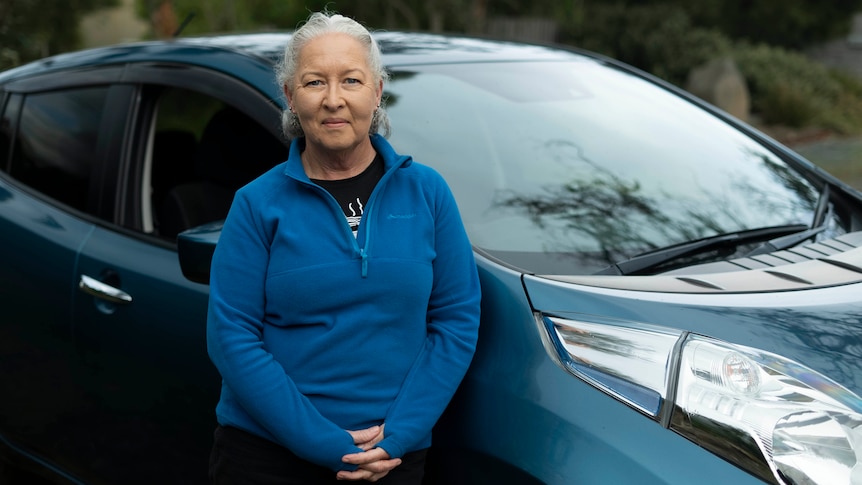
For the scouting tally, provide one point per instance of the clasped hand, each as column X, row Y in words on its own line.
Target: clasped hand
column 374, row 463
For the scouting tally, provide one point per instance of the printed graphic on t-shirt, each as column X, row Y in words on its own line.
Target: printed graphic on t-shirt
column 355, row 216
column 352, row 194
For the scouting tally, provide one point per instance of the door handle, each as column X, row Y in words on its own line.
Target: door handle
column 103, row 291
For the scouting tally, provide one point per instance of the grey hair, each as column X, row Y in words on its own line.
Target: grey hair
column 317, row 24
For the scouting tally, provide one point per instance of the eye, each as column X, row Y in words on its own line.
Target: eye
column 315, row 82
column 352, row 80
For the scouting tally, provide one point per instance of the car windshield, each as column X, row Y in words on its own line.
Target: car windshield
column 566, row 167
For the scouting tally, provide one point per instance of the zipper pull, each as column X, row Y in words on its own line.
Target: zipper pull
column 364, row 256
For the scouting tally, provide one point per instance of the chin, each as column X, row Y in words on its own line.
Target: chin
column 339, row 143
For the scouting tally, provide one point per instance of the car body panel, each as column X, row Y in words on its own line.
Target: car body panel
column 553, row 426
column 255, row 71
column 819, row 327
column 151, row 390
column 39, row 258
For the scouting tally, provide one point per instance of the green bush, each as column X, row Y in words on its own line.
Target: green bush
column 790, row 89
column 659, row 39
column 786, row 88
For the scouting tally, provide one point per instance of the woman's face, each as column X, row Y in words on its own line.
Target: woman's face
column 334, row 92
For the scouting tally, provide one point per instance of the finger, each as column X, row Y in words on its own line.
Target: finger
column 357, row 476
column 364, row 457
column 367, row 445
column 364, row 435
column 374, row 477
column 376, row 439
column 372, row 471
column 381, row 466
column 371, row 443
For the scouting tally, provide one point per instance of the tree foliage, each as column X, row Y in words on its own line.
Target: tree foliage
column 660, row 39
column 215, row 16
column 208, row 16
column 793, row 24
column 31, row 29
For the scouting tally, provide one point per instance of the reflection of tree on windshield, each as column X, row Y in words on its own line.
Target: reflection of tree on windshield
column 389, row 98
column 597, row 208
column 607, row 209
column 792, row 180
column 805, row 195
column 604, row 209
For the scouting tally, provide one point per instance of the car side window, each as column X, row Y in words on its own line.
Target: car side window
column 55, row 148
column 202, row 151
column 8, row 115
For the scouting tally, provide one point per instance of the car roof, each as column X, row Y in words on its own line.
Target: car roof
column 399, row 49
column 402, row 48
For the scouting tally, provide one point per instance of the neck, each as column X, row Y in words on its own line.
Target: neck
column 326, row 165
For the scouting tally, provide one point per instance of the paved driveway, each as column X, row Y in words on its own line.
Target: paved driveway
column 841, row 157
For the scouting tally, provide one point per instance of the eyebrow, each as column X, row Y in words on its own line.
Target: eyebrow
column 342, row 73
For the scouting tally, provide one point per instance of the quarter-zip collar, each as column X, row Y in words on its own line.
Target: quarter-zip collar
column 391, row 163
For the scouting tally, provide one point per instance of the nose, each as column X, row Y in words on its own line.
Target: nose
column 333, row 99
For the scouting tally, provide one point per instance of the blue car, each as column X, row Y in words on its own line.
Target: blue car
column 669, row 295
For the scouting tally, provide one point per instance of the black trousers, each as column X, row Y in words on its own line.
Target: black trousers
column 242, row 458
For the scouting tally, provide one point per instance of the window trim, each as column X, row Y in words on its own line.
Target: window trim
column 150, row 78
column 95, row 209
column 129, row 116
column 213, row 83
column 77, row 78
column 72, row 78
column 6, row 101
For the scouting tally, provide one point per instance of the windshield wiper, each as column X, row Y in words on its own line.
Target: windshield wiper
column 655, row 258
column 774, row 239
column 822, row 215
column 785, row 242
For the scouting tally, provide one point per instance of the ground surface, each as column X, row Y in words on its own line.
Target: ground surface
column 841, row 157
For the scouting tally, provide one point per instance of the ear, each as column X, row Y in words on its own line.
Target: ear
column 379, row 92
column 288, row 95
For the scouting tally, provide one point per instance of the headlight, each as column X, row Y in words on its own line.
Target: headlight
column 795, row 425
column 773, row 417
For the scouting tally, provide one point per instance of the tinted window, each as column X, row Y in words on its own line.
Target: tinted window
column 55, row 148
column 203, row 150
column 8, row 116
column 567, row 167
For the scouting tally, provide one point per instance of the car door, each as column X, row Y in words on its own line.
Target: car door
column 53, row 144
column 141, row 329
column 139, row 322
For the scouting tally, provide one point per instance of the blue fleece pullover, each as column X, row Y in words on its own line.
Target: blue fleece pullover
column 316, row 332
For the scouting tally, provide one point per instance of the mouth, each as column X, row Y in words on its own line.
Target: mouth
column 334, row 122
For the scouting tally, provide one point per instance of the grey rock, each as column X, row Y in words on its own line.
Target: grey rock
column 720, row 83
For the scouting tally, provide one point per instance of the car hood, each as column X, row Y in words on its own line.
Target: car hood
column 820, row 327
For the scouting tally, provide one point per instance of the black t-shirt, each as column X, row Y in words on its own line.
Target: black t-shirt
column 352, row 193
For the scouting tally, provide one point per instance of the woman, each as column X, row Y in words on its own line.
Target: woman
column 344, row 298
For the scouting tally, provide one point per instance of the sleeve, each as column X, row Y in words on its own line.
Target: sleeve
column 452, row 331
column 255, row 379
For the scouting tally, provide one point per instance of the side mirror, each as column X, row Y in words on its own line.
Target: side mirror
column 195, row 248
